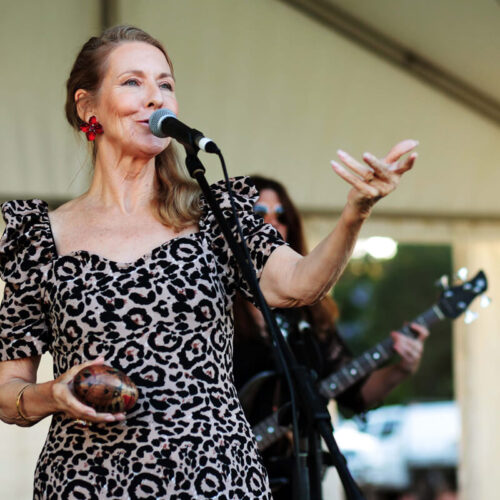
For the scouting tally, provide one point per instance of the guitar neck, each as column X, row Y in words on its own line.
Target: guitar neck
column 373, row 358
column 268, row 431
column 453, row 302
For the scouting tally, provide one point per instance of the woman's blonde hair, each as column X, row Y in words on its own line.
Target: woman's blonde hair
column 177, row 196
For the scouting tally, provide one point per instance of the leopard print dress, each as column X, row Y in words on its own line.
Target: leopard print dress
column 166, row 321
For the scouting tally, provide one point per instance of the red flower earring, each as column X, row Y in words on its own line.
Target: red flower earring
column 91, row 128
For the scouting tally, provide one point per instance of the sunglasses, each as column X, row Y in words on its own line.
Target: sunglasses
column 263, row 210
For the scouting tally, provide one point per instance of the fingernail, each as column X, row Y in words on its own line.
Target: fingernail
column 341, row 153
column 368, row 155
column 415, row 143
column 109, row 418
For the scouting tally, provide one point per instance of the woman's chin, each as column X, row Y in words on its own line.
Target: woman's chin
column 149, row 148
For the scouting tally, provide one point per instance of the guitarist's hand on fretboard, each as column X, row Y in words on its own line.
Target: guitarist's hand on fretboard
column 410, row 349
column 409, row 344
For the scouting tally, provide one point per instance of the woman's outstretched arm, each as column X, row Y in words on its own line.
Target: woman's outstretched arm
column 291, row 280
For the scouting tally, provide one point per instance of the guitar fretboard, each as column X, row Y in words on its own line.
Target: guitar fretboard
column 370, row 360
column 268, row 431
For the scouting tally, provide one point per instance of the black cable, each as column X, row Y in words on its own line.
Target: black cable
column 286, row 371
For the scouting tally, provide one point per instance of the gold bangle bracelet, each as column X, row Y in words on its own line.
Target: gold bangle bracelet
column 18, row 405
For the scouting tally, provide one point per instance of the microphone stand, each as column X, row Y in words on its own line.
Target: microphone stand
column 301, row 340
column 314, row 410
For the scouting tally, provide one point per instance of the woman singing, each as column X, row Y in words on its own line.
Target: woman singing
column 136, row 273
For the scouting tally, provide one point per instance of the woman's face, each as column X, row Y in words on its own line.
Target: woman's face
column 269, row 205
column 137, row 82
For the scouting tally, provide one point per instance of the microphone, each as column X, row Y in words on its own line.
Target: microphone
column 164, row 123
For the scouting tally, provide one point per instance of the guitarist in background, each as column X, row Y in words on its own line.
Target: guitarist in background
column 313, row 337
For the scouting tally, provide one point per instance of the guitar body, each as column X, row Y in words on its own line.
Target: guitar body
column 249, row 395
column 265, row 392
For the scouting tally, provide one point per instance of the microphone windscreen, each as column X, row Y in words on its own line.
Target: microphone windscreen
column 157, row 118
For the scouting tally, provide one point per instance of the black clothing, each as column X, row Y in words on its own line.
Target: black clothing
column 254, row 355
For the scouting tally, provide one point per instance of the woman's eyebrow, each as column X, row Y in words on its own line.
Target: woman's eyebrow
column 139, row 72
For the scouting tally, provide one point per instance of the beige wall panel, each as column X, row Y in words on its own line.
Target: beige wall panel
column 39, row 155
column 280, row 93
column 20, row 449
column 471, row 28
column 477, row 371
column 403, row 229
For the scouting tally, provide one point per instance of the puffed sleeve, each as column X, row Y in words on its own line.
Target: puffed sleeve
column 25, row 251
column 262, row 239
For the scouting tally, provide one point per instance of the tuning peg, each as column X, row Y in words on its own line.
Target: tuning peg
column 470, row 317
column 462, row 273
column 479, row 286
column 485, row 301
column 443, row 282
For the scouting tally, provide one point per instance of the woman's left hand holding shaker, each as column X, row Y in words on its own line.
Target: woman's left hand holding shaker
column 65, row 401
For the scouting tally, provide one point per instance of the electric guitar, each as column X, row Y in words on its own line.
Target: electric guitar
column 452, row 303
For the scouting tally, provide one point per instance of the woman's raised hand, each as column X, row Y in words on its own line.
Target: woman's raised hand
column 65, row 401
column 377, row 178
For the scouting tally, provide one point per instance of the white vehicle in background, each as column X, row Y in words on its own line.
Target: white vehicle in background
column 398, row 441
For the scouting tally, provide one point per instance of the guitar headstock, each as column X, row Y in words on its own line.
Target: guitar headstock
column 456, row 299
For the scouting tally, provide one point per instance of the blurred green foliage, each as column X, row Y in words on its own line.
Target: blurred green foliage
column 376, row 297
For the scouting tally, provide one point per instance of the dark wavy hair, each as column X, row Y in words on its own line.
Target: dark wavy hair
column 292, row 219
column 321, row 315
column 177, row 195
